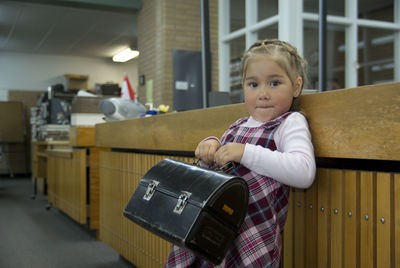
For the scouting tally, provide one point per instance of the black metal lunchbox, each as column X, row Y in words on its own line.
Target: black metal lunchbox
column 192, row 207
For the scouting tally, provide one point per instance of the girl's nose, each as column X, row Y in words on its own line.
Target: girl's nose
column 264, row 93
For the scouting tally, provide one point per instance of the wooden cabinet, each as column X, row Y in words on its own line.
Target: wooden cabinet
column 39, row 162
column 73, row 176
column 67, row 187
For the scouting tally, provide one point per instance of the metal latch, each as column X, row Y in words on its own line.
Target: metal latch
column 182, row 201
column 151, row 188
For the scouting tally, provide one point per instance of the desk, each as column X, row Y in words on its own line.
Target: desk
column 349, row 217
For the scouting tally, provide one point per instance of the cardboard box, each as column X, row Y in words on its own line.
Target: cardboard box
column 12, row 127
column 86, row 104
column 76, row 81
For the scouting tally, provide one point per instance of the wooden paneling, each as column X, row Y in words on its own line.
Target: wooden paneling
column 367, row 215
column 396, row 223
column 326, row 224
column 350, row 227
column 67, row 182
column 311, row 236
column 334, row 237
column 120, row 174
column 336, row 221
column 383, row 220
column 324, row 208
column 94, row 212
column 299, row 228
column 287, row 248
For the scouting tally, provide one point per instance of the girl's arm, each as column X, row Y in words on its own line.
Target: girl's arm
column 293, row 163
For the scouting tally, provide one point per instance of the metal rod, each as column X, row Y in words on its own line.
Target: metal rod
column 205, row 51
column 322, row 45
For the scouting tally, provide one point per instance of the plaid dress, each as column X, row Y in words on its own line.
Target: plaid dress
column 259, row 243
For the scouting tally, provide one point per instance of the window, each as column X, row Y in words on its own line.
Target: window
column 363, row 37
column 335, row 55
column 375, row 56
column 237, row 15
column 237, row 48
column 376, row 10
column 268, row 32
column 266, row 9
column 335, row 8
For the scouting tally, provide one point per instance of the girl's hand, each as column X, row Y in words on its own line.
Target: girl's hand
column 205, row 151
column 229, row 152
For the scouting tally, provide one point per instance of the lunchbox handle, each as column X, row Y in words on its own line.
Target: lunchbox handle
column 225, row 168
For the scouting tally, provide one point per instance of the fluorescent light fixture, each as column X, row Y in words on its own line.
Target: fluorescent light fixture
column 125, row 55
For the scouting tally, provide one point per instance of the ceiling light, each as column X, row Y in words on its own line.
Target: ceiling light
column 125, row 55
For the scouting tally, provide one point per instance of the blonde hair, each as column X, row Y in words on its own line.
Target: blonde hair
column 283, row 53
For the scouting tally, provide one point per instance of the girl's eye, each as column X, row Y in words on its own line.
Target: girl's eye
column 275, row 83
column 252, row 84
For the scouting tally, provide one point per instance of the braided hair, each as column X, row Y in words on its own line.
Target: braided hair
column 284, row 54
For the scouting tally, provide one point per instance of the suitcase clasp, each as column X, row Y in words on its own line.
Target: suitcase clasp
column 182, row 201
column 151, row 188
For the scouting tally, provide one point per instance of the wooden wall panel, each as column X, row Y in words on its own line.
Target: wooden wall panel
column 94, row 186
column 367, row 215
column 311, row 216
column 120, row 175
column 396, row 222
column 350, row 214
column 287, row 237
column 299, row 228
column 51, row 181
column 336, row 221
column 323, row 177
column 67, row 182
column 341, row 235
column 383, row 220
column 319, row 231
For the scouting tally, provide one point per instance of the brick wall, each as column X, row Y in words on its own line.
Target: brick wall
column 167, row 25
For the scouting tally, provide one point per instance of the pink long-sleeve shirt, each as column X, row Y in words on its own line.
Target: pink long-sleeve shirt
column 293, row 163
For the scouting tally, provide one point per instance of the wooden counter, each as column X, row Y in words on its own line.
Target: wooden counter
column 350, row 217
column 82, row 136
column 344, row 124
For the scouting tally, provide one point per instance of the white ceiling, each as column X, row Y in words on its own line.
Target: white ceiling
column 68, row 30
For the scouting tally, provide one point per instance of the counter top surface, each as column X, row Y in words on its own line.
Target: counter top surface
column 361, row 123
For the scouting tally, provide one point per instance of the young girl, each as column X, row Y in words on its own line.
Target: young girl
column 272, row 148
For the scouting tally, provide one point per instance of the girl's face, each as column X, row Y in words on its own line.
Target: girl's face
column 268, row 91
